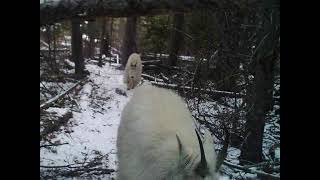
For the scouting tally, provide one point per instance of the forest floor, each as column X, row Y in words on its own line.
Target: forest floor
column 92, row 130
column 85, row 144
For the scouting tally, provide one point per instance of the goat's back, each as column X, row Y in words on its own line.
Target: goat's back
column 147, row 143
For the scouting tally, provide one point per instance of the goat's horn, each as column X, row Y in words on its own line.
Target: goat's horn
column 203, row 161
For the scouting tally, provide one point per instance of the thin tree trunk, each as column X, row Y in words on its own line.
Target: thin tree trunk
column 91, row 33
column 110, row 37
column 263, row 84
column 49, row 43
column 102, row 40
column 54, row 43
column 176, row 39
column 54, row 60
column 111, row 33
column 76, row 43
column 129, row 44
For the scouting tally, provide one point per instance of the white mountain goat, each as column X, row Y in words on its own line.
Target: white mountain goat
column 133, row 70
column 157, row 140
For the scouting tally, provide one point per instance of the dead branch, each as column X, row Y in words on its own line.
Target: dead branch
column 48, row 145
column 206, row 91
column 164, row 77
column 92, row 167
column 245, row 169
column 151, row 78
column 54, row 99
column 151, row 62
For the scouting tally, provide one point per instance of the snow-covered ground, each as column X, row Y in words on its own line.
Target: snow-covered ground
column 94, row 128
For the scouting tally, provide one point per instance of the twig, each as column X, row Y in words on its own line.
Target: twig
column 47, row 145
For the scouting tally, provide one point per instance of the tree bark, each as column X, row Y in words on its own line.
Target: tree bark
column 102, row 40
column 176, row 39
column 76, row 46
column 92, row 36
column 129, row 44
column 52, row 12
column 263, row 85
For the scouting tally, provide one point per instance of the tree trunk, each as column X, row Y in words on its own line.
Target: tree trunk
column 176, row 39
column 52, row 58
column 129, row 44
column 263, row 85
column 106, row 45
column 54, row 43
column 102, row 40
column 111, row 31
column 49, row 43
column 91, row 34
column 56, row 65
column 266, row 57
column 76, row 46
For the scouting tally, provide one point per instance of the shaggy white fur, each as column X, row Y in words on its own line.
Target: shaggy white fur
column 152, row 124
column 133, row 70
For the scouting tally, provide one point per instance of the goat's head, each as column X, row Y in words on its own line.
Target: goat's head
column 191, row 166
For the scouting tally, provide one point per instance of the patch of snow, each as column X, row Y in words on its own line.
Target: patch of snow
column 186, row 58
column 95, row 127
column 70, row 63
column 58, row 111
column 67, row 38
column 85, row 37
column 224, row 177
column 241, row 67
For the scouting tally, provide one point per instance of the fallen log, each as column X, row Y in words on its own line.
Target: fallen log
column 55, row 11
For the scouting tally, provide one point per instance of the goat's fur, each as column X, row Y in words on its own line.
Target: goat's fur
column 133, row 70
column 157, row 139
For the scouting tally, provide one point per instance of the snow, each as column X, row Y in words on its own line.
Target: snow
column 67, row 38
column 85, row 37
column 48, row 1
column 58, row 111
column 187, row 58
column 94, row 127
column 65, row 43
column 70, row 63
column 224, row 178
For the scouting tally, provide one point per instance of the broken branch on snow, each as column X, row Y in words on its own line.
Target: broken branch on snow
column 54, row 99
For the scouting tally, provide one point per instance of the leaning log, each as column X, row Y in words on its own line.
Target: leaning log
column 55, row 11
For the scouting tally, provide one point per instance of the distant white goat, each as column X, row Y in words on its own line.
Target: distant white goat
column 133, row 70
column 157, row 139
